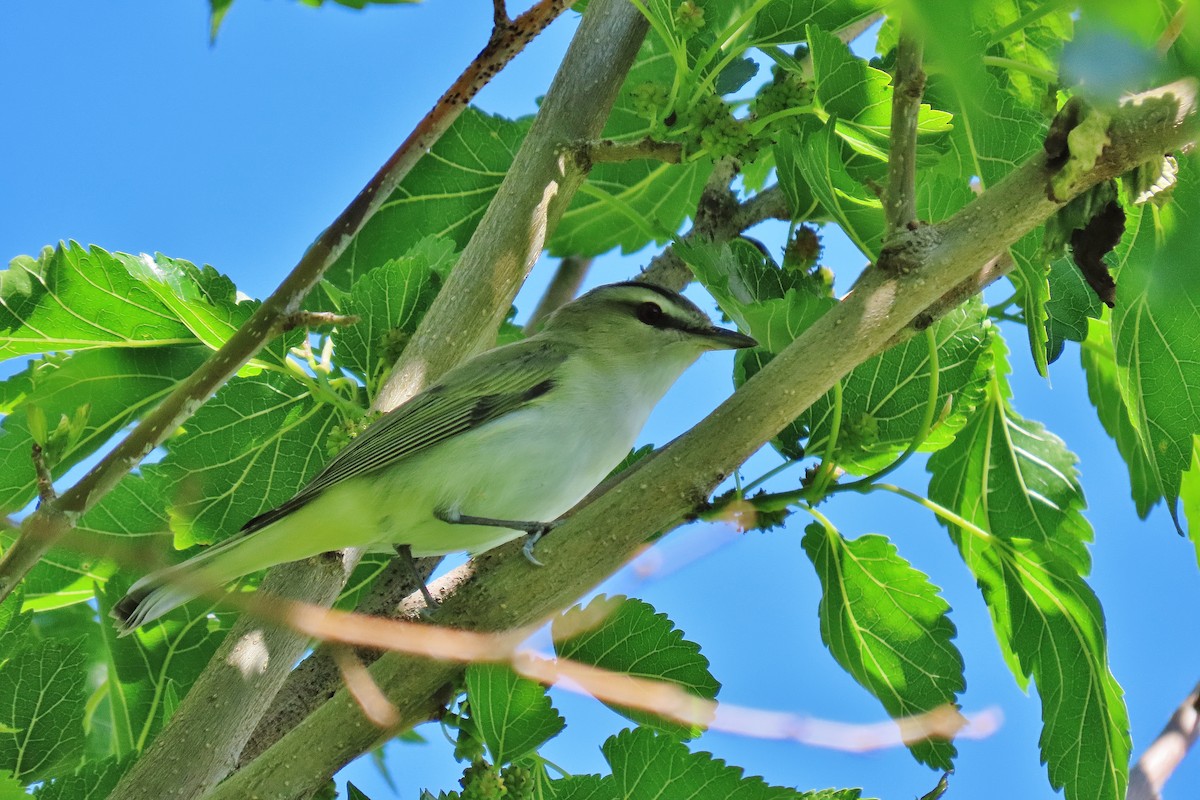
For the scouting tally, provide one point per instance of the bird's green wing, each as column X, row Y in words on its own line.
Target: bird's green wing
column 483, row 389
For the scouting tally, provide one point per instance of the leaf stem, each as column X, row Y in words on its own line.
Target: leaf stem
column 900, row 195
column 1020, row 66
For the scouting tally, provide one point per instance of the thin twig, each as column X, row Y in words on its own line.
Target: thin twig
column 45, row 481
column 375, row 706
column 316, row 319
column 562, row 290
column 1173, row 30
column 46, row 525
column 900, row 197
column 500, row 18
column 718, row 222
column 608, row 151
column 1166, row 752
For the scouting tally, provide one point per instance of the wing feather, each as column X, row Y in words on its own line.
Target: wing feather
column 484, row 389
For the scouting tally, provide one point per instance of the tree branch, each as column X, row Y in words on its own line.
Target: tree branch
column 608, row 151
column 1167, row 752
column 202, row 742
column 45, row 481
column 562, row 289
column 900, row 197
column 715, row 222
column 501, row 591
column 317, row 677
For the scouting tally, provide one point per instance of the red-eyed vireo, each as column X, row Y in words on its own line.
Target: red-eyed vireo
column 503, row 444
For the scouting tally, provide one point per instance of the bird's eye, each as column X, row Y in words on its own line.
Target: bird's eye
column 650, row 313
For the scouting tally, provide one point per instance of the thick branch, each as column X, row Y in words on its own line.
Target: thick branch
column 500, row 590
column 202, row 742
column 562, row 290
column 316, row 679
column 900, row 197
column 1167, row 752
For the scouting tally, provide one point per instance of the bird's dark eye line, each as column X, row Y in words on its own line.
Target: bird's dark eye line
column 651, row 314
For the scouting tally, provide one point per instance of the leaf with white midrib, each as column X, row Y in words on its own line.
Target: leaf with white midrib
column 886, row 625
column 623, row 635
column 1014, row 484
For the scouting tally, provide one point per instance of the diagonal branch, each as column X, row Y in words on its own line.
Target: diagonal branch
column 1167, row 752
column 501, row 591
column 900, row 196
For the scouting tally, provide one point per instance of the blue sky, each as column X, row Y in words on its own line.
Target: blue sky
column 123, row 128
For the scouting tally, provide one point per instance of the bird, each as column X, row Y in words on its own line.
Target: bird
column 500, row 447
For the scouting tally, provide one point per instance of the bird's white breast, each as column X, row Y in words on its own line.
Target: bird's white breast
column 530, row 465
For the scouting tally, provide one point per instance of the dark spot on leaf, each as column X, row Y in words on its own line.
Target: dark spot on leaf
column 1055, row 145
column 1089, row 245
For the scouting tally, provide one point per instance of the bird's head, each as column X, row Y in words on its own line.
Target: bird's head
column 637, row 318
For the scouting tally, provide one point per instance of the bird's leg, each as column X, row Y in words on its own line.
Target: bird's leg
column 405, row 552
column 536, row 530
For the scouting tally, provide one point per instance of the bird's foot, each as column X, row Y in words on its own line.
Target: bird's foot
column 531, row 541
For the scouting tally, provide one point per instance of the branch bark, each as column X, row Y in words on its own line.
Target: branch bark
column 1167, row 752
column 900, row 198
column 501, row 591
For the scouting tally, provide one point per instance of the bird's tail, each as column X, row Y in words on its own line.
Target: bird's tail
column 165, row 590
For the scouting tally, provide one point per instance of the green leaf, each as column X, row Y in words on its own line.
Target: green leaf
column 389, row 301
column 444, row 195
column 42, row 696
column 106, row 389
column 772, row 304
column 513, row 715
column 1154, row 328
column 585, row 787
column 13, row 625
column 1189, row 492
column 858, row 94
column 735, row 76
column 650, row 766
column 72, row 298
column 884, row 622
column 217, row 9
column 1013, row 476
column 1015, row 487
column 10, row 787
column 626, row 636
column 993, row 133
column 244, row 452
column 140, row 667
column 1100, row 368
column 886, row 399
column 787, row 21
column 1072, row 303
column 92, row 781
column 819, row 160
column 354, row 793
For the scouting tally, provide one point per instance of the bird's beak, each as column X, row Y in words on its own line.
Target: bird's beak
column 724, row 339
